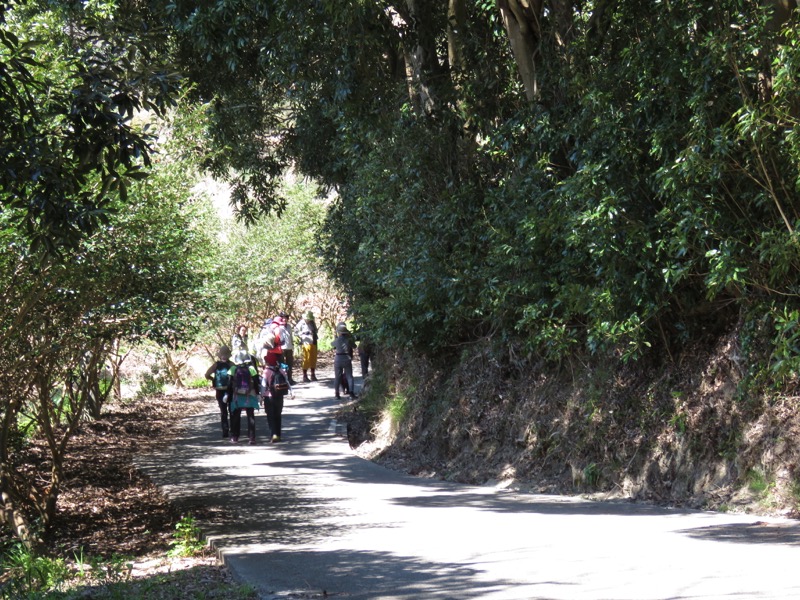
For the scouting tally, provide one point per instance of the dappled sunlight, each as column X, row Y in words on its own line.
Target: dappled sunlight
column 307, row 515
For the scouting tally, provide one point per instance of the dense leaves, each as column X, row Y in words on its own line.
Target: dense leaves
column 93, row 252
column 67, row 145
column 631, row 181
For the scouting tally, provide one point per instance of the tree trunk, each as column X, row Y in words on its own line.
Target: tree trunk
column 456, row 19
column 418, row 40
column 174, row 368
column 11, row 515
column 522, row 21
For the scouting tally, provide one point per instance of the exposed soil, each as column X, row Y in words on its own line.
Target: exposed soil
column 111, row 515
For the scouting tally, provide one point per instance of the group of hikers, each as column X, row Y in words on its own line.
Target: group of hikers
column 247, row 374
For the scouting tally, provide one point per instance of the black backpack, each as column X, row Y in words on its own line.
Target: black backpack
column 279, row 383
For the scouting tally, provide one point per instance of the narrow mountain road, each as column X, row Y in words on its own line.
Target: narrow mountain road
column 305, row 518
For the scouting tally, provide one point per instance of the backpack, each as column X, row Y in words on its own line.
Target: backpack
column 242, row 379
column 222, row 377
column 268, row 340
column 268, row 337
column 279, row 383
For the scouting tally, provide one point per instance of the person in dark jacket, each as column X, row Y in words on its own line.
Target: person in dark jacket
column 273, row 397
column 343, row 345
column 219, row 375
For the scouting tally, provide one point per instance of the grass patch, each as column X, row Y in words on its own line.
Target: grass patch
column 27, row 574
column 397, row 408
column 197, row 383
column 757, row 481
column 373, row 399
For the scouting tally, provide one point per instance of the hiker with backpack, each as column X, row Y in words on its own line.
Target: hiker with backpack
column 287, row 345
column 274, row 387
column 307, row 332
column 219, row 375
column 263, row 342
column 365, row 351
column 343, row 345
column 272, row 341
column 244, row 393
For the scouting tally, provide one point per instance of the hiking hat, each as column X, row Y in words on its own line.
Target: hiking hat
column 224, row 353
column 309, row 316
column 283, row 315
column 242, row 357
column 341, row 328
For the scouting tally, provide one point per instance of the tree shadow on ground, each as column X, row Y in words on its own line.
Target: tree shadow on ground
column 749, row 533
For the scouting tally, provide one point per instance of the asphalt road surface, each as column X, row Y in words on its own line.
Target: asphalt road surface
column 312, row 520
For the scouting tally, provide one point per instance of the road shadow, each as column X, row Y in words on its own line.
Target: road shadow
column 759, row 532
column 276, row 508
column 370, row 575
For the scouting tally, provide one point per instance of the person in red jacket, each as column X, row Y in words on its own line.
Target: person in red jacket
column 276, row 333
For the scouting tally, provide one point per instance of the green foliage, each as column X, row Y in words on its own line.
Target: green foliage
column 37, row 578
column 29, row 573
column 197, row 383
column 92, row 253
column 591, row 475
column 269, row 265
column 150, row 385
column 373, row 398
column 67, row 106
column 645, row 199
column 397, row 407
column 187, row 538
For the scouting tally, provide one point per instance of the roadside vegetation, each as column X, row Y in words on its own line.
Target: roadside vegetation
column 569, row 227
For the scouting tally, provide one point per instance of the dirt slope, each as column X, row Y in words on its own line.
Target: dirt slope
column 677, row 432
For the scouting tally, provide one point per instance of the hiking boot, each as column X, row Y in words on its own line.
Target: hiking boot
column 353, row 396
column 338, row 397
column 292, row 382
column 225, row 435
column 306, row 380
column 276, row 439
column 252, row 442
column 313, row 377
column 234, row 440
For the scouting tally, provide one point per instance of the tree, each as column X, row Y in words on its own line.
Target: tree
column 92, row 255
column 270, row 265
column 68, row 122
column 567, row 176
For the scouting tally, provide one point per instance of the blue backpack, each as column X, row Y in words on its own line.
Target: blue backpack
column 222, row 378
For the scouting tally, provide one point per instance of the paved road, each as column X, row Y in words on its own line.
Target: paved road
column 313, row 521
